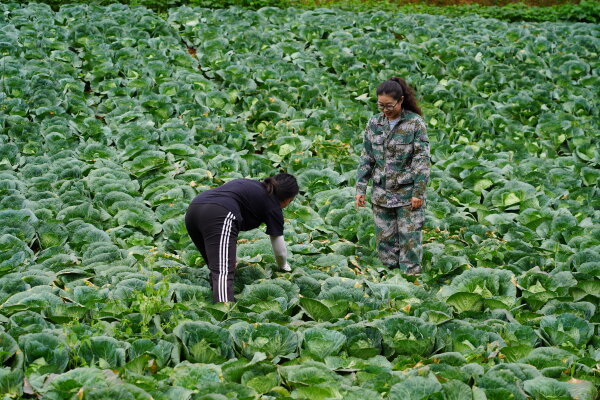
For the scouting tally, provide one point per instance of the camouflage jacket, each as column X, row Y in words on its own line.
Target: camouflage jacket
column 396, row 159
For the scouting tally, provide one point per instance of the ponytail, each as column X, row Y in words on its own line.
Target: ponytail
column 397, row 88
column 282, row 186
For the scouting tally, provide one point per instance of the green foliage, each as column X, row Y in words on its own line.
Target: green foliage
column 264, row 297
column 50, row 349
column 102, row 351
column 161, row 350
column 542, row 387
column 566, row 330
column 273, row 340
column 11, row 382
column 95, row 383
column 416, row 387
column 113, row 118
column 476, row 288
column 319, row 343
column 203, row 342
column 404, row 335
column 362, row 341
column 195, row 376
column 585, row 11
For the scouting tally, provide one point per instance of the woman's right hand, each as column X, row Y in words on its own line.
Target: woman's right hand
column 360, row 200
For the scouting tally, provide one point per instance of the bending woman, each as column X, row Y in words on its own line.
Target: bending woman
column 216, row 216
column 396, row 157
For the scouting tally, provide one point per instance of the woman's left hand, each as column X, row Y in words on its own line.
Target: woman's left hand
column 416, row 203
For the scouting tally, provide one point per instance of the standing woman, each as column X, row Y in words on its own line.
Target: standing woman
column 396, row 157
column 216, row 216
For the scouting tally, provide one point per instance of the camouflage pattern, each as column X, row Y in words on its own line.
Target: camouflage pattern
column 399, row 240
column 396, row 159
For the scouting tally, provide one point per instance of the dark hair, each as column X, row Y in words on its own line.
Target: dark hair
column 396, row 88
column 283, row 186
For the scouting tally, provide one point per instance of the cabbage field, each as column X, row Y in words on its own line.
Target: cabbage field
column 113, row 118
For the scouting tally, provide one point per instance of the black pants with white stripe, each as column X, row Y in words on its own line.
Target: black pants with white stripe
column 214, row 231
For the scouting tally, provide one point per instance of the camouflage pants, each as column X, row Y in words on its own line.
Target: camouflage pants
column 399, row 238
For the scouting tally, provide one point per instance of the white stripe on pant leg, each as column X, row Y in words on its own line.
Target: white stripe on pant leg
column 221, row 241
column 223, row 265
column 226, row 263
column 223, row 256
column 220, row 261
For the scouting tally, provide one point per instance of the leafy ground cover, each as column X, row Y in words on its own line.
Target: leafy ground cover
column 113, row 118
column 585, row 11
column 506, row 10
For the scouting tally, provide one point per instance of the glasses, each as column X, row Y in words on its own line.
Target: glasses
column 387, row 106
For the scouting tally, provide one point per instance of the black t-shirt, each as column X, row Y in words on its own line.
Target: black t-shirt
column 249, row 201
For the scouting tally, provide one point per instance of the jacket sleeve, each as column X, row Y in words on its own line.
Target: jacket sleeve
column 366, row 164
column 279, row 250
column 421, row 162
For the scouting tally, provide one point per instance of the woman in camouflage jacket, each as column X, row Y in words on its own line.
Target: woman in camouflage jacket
column 396, row 157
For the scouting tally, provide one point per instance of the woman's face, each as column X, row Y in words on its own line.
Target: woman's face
column 390, row 107
column 286, row 202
